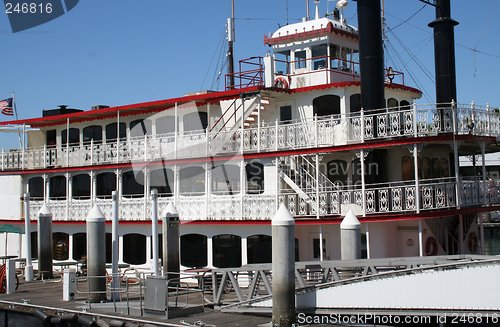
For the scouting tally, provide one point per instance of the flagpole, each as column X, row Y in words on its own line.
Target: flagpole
column 17, row 118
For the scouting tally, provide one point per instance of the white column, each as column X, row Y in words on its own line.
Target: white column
column 420, row 239
column 368, row 251
column 27, row 239
column 481, row 232
column 114, row 244
column 210, row 257
column 93, row 188
column 176, row 129
column 417, row 182
column 458, row 187
column 242, row 186
column 154, row 232
column 45, row 188
column 461, row 234
column 244, row 253
column 485, row 182
column 69, row 193
column 208, row 188
column 363, row 182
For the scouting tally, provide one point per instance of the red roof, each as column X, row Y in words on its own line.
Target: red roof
column 131, row 109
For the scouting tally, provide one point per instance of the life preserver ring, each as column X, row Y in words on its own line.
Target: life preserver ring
column 281, row 82
column 472, row 242
column 431, row 246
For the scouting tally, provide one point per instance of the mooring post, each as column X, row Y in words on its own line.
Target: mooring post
column 154, row 232
column 28, row 268
column 350, row 237
column 283, row 268
column 96, row 255
column 170, row 242
column 115, row 279
column 45, row 243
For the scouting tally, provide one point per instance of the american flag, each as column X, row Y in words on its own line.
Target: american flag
column 6, row 107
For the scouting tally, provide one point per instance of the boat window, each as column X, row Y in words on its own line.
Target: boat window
column 35, row 188
column 73, row 137
column 337, row 172
column 141, row 127
column 34, row 245
column 112, row 131
column 192, row 181
column 57, row 188
column 93, row 132
column 81, row 186
column 355, row 103
column 133, row 184
column 356, row 172
column 226, row 179
column 319, row 56
column 226, row 251
column 444, row 168
column 285, row 114
column 282, row 62
column 392, row 104
column 79, row 246
column 50, row 136
column 134, row 249
column 165, row 125
column 300, row 59
column 161, row 179
column 195, row 121
column 407, row 168
column 194, row 250
column 255, row 177
column 259, row 249
column 60, row 250
column 326, row 105
column 105, row 184
column 160, row 246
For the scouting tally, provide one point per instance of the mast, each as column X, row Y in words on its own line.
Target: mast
column 230, row 40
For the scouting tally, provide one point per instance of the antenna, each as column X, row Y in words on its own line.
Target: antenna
column 307, row 9
column 316, row 12
column 230, row 50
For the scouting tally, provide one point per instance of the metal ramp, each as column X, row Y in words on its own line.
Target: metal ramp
column 398, row 284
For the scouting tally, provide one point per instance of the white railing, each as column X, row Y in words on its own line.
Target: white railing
column 397, row 197
column 428, row 120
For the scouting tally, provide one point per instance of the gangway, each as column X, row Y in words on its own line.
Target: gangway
column 411, row 284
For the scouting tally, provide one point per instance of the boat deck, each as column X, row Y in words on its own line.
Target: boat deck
column 48, row 296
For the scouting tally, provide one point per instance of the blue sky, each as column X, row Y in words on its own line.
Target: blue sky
column 118, row 52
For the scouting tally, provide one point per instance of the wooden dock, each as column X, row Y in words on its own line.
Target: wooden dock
column 47, row 296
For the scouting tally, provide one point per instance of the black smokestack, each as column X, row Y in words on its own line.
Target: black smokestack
column 444, row 53
column 371, row 54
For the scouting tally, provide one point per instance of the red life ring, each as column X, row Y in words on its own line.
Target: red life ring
column 281, row 82
column 431, row 246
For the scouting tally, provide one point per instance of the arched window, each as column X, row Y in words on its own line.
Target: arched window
column 141, row 127
column 74, row 136
column 194, row 250
column 192, row 181
column 259, row 249
column 60, row 246
column 79, row 246
column 162, row 180
column 93, row 132
column 255, row 177
column 195, row 121
column 35, row 187
column 425, row 168
column 81, row 186
column 355, row 101
column 435, row 167
column 57, row 188
column 393, row 104
column 226, row 251
column 326, row 105
column 133, row 183
column 112, row 131
column 407, row 168
column 405, row 105
column 105, row 184
column 134, row 249
column 165, row 124
column 444, row 168
column 337, row 172
column 226, row 179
